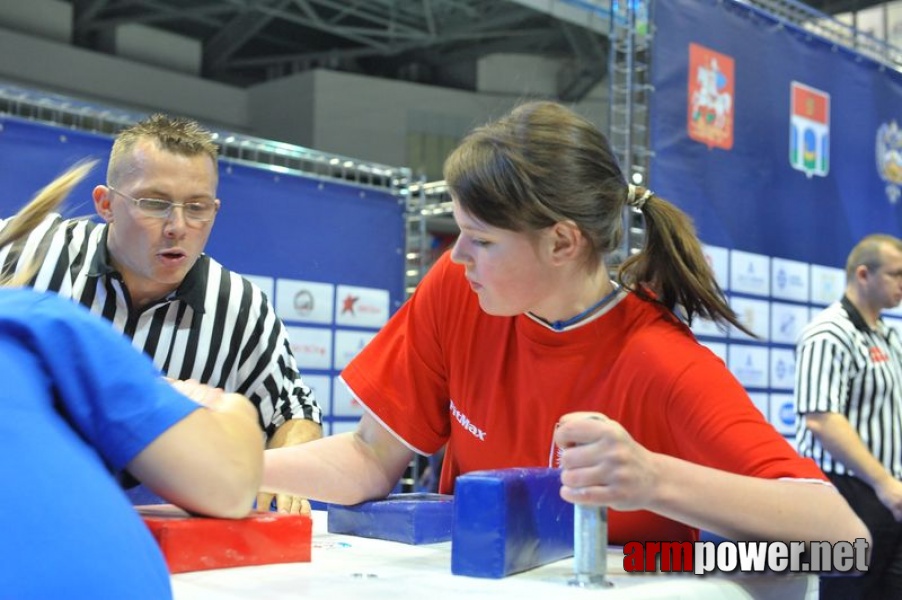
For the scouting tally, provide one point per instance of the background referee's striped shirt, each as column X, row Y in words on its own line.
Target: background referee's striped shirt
column 845, row 367
column 217, row 327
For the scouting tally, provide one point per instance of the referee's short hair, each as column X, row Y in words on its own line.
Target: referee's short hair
column 867, row 253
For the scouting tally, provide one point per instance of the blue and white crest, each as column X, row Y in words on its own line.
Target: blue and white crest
column 888, row 153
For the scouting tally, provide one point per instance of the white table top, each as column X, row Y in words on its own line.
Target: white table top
column 354, row 567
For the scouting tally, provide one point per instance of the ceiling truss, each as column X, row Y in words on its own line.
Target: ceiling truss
column 436, row 42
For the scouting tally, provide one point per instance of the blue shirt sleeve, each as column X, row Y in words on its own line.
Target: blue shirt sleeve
column 112, row 395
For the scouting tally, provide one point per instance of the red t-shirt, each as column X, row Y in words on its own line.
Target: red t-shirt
column 493, row 388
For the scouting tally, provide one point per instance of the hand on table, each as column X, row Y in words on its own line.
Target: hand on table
column 290, row 433
column 292, row 505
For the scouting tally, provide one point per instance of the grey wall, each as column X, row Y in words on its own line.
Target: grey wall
column 379, row 120
column 58, row 67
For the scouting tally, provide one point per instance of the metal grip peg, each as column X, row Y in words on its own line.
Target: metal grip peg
column 590, row 544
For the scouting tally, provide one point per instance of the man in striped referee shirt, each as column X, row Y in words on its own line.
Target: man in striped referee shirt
column 144, row 270
column 849, row 395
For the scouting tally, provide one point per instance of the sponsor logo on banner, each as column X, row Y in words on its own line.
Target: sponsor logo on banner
column 750, row 273
column 710, row 91
column 311, row 346
column 787, row 321
column 783, row 413
column 308, row 301
column 889, row 159
column 753, row 314
column 789, row 279
column 809, row 130
column 361, row 307
column 827, row 284
column 749, row 364
column 304, row 303
column 348, row 344
column 782, row 368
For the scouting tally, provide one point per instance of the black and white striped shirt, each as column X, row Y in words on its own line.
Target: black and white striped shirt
column 844, row 366
column 217, row 327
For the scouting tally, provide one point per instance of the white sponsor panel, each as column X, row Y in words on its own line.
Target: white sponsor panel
column 783, row 413
column 719, row 260
column 266, row 284
column 322, row 390
column 789, row 279
column 307, row 301
column 343, row 427
column 717, row 348
column 827, row 284
column 786, row 322
column 761, row 402
column 749, row 273
column 361, row 307
column 311, row 346
column 782, row 368
column 343, row 402
column 749, row 364
column 706, row 327
column 754, row 314
column 348, row 344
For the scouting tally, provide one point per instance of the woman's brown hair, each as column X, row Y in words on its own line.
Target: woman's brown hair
column 543, row 163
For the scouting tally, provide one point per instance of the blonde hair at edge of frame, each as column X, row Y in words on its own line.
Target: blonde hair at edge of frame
column 32, row 214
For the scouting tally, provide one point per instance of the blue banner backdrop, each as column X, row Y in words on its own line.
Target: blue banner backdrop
column 785, row 150
column 750, row 196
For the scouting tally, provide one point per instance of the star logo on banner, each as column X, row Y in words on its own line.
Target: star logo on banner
column 347, row 305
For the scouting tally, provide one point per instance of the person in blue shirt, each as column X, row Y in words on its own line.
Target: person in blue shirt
column 79, row 404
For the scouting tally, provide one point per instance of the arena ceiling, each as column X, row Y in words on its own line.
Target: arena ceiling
column 435, row 42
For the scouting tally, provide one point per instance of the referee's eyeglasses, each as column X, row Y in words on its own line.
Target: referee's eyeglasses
column 199, row 212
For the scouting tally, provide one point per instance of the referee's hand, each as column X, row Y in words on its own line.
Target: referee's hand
column 285, row 503
column 290, row 433
column 890, row 494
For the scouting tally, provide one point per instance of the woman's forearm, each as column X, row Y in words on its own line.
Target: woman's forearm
column 745, row 508
column 344, row 469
